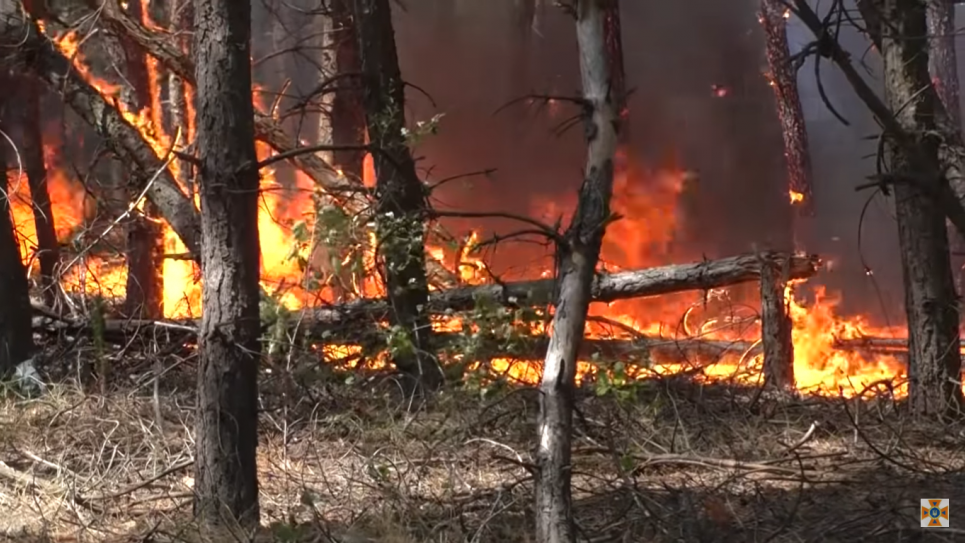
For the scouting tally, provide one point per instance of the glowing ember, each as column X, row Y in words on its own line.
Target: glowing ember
column 796, row 197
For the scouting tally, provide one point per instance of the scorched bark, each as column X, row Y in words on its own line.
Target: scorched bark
column 35, row 54
column 226, row 478
column 401, row 197
column 576, row 261
column 943, row 67
column 348, row 113
column 930, row 298
column 783, row 79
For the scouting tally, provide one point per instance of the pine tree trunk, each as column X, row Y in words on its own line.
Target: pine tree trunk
column 790, row 112
column 16, row 334
column 576, row 260
column 180, row 17
column 943, row 67
column 226, row 480
column 930, row 299
column 33, row 159
column 348, row 111
column 618, row 78
column 401, row 195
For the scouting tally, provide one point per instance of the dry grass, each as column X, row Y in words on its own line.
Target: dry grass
column 338, row 462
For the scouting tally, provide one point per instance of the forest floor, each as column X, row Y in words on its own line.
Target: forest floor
column 345, row 459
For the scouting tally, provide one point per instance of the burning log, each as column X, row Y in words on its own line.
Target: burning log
column 343, row 322
column 783, row 79
column 34, row 53
column 776, row 328
column 606, row 287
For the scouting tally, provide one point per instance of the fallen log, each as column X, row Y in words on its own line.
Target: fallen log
column 30, row 51
column 351, row 319
column 607, row 287
column 877, row 345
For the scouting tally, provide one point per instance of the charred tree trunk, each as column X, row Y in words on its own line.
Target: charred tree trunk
column 576, row 261
column 783, row 79
column 943, row 67
column 776, row 328
column 348, row 111
column 930, row 299
column 402, row 205
column 618, row 78
column 145, row 239
column 33, row 157
column 345, row 117
column 16, row 333
column 226, row 476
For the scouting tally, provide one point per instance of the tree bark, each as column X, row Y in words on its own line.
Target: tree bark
column 16, row 332
column 348, row 111
column 943, row 67
column 36, row 55
column 932, row 314
column 180, row 17
column 145, row 240
column 401, row 197
column 226, row 480
column 33, row 157
column 618, row 79
column 783, row 79
column 576, row 261
column 776, row 328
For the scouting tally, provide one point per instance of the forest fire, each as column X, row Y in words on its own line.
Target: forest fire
column 641, row 239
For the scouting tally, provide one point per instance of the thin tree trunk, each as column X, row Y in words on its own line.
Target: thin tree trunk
column 932, row 313
column 348, row 111
column 145, row 242
column 618, row 78
column 783, row 79
column 943, row 67
column 180, row 18
column 33, row 158
column 226, row 481
column 776, row 328
column 402, row 205
column 576, row 260
column 346, row 115
column 16, row 333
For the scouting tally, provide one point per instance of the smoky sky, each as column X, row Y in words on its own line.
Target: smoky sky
column 468, row 59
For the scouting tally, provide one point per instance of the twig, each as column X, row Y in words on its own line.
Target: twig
column 136, row 486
